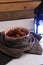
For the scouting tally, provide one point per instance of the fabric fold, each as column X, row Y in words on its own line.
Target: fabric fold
column 18, row 51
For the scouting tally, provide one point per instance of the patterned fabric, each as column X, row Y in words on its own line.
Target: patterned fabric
column 36, row 49
column 18, row 52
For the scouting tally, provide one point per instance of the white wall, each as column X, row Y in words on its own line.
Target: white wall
column 28, row 23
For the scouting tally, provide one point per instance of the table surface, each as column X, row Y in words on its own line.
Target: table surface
column 26, row 59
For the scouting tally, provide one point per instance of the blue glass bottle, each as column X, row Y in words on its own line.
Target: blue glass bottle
column 38, row 19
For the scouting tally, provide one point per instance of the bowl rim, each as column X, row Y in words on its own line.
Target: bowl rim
column 8, row 37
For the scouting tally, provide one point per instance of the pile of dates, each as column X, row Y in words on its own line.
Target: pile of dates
column 17, row 32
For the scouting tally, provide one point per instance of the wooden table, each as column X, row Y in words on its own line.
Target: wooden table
column 17, row 9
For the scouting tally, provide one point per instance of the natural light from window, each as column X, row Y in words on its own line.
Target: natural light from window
column 40, row 27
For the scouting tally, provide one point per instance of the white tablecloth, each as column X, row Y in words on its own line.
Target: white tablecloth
column 27, row 59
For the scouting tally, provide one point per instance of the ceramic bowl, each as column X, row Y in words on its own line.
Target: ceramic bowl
column 20, row 41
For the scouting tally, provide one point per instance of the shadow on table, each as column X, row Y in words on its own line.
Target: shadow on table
column 4, row 59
